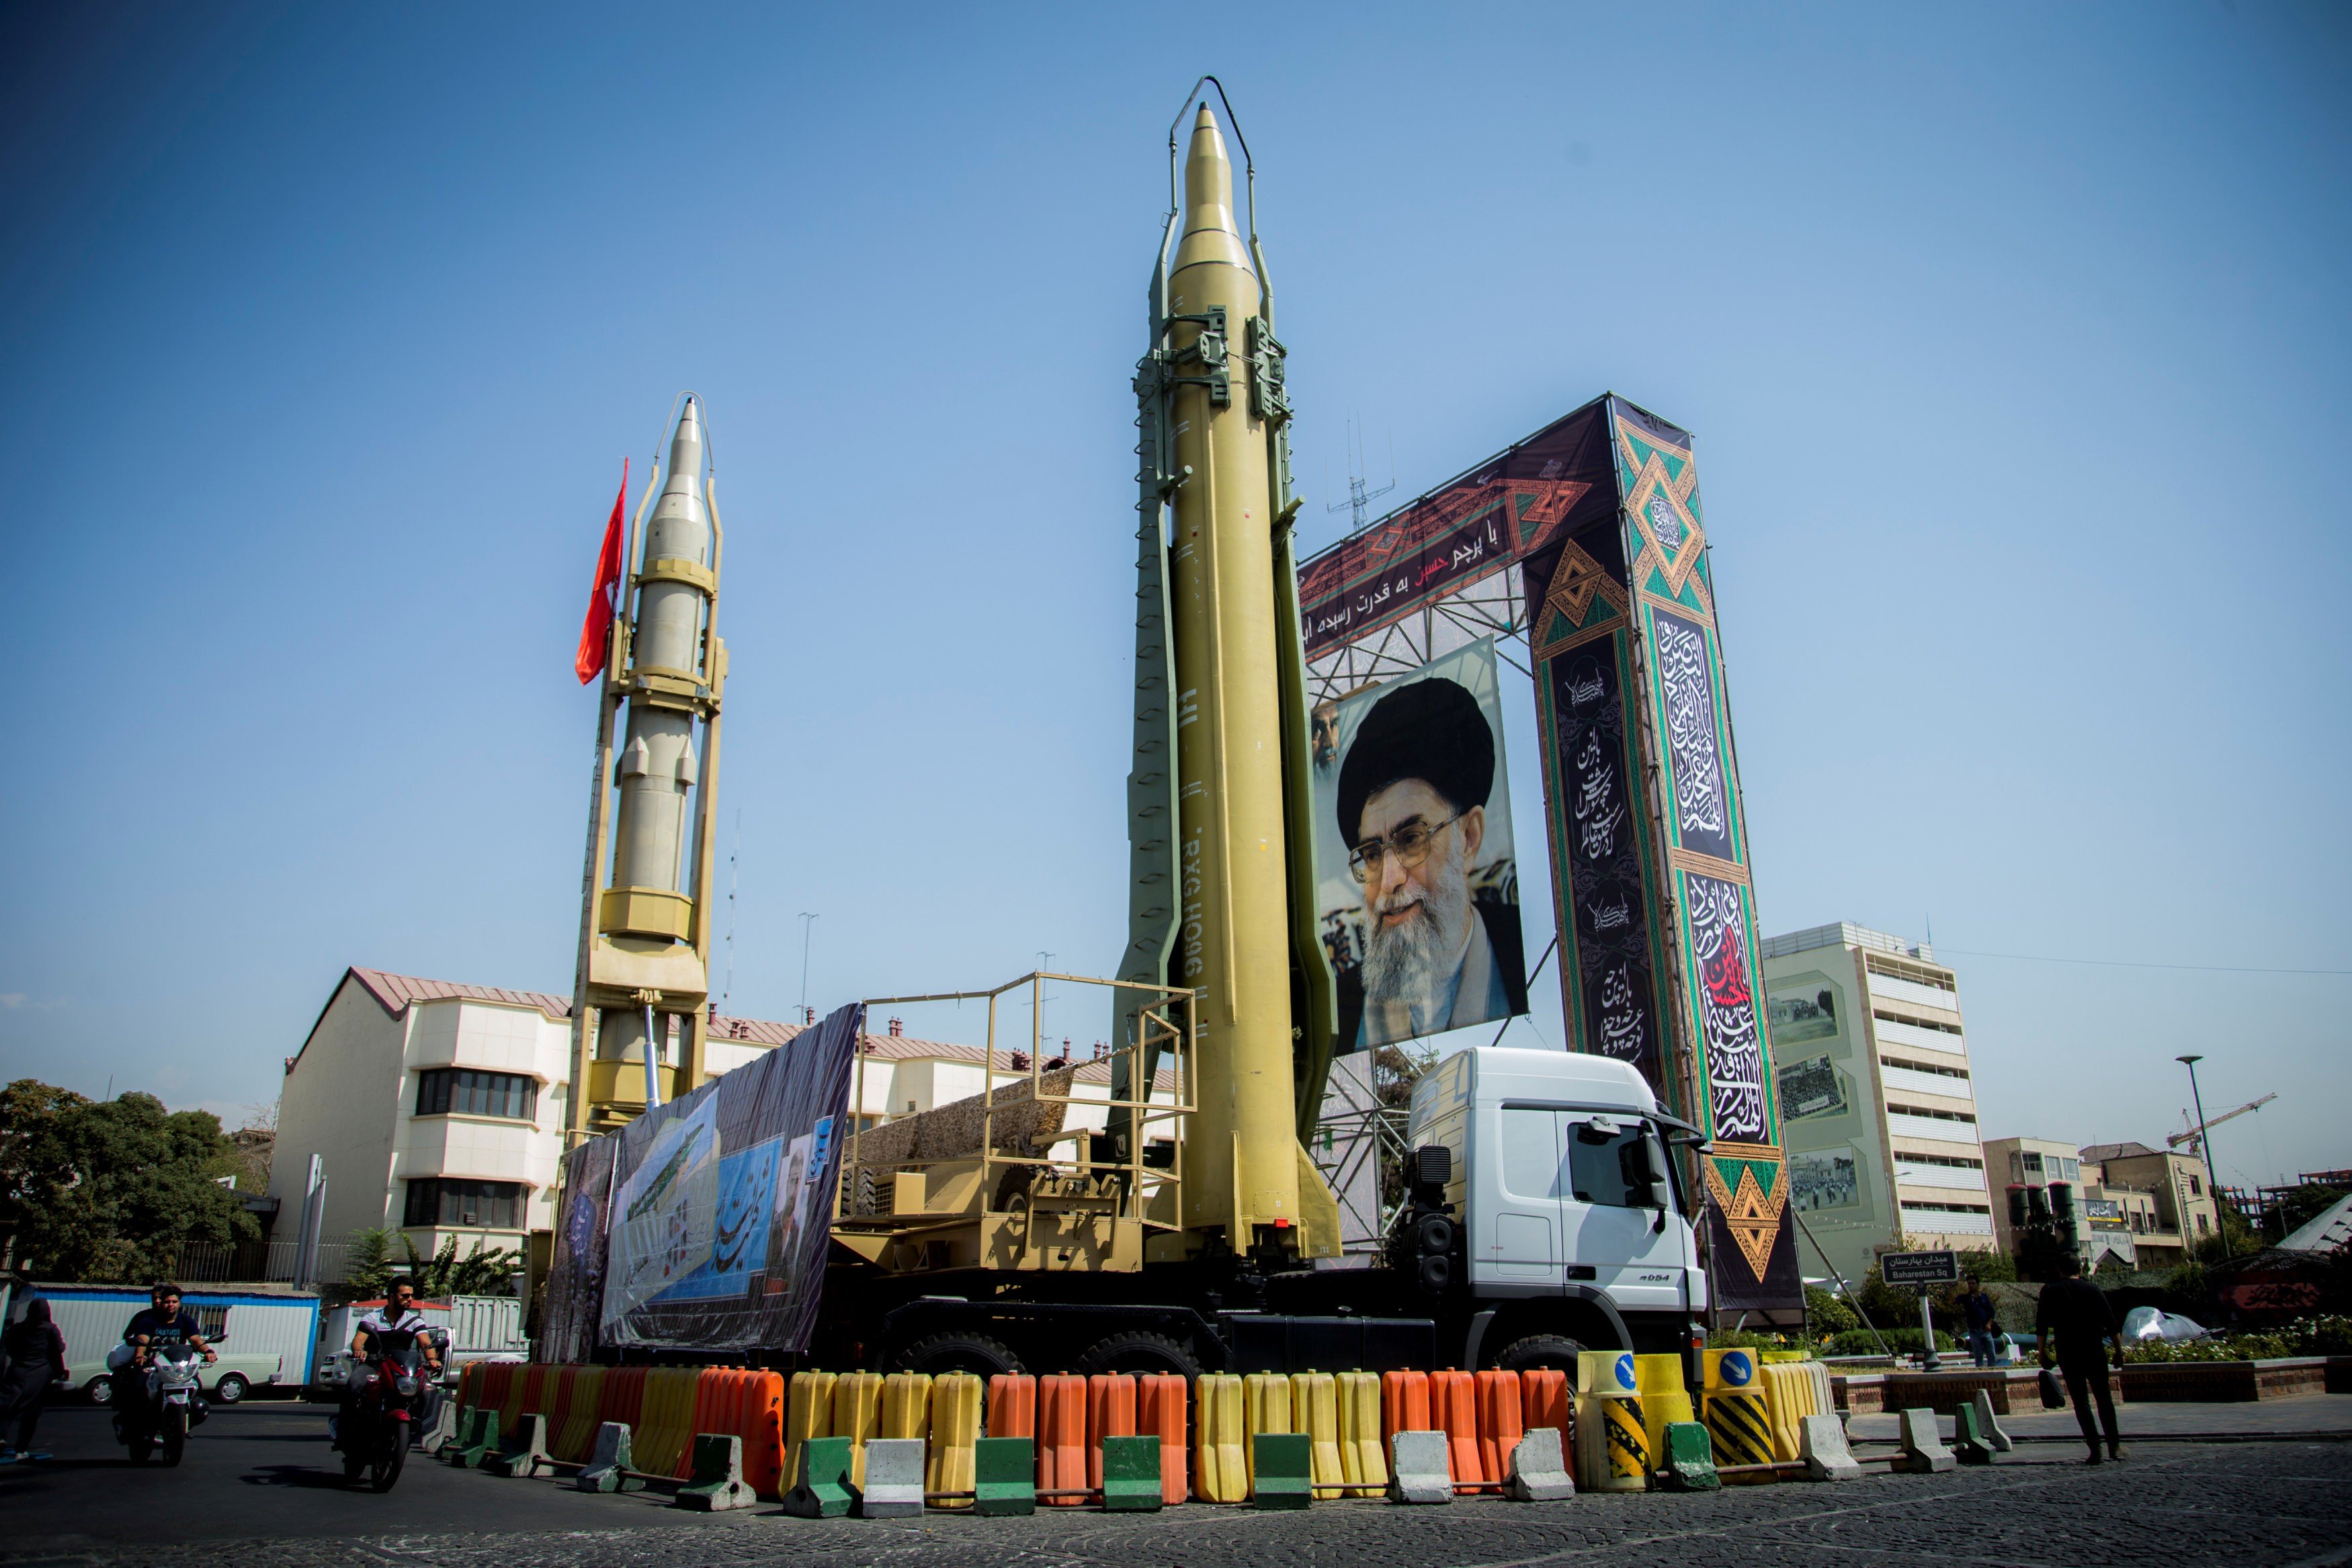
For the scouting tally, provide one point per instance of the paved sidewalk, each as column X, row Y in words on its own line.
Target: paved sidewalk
column 2307, row 1413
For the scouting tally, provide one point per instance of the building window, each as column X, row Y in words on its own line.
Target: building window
column 2194, row 1190
column 2201, row 1226
column 441, row 1200
column 2032, row 1163
column 459, row 1091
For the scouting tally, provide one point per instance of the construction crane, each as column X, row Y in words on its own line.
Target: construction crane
column 2193, row 1139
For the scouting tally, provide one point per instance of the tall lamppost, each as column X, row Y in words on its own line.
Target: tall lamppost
column 807, row 926
column 2204, row 1142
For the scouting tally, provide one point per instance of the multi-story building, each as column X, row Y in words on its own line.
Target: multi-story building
column 436, row 1109
column 1877, row 1106
column 2034, row 1178
column 2174, row 1184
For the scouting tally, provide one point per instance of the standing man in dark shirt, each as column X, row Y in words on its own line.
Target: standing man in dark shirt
column 1981, row 1317
column 2075, row 1321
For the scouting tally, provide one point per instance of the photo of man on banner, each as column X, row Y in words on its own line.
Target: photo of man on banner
column 1421, row 805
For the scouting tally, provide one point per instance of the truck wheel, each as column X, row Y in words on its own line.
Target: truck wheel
column 1542, row 1349
column 955, row 1352
column 1139, row 1351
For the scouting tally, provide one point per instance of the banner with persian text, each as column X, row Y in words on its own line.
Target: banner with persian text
column 702, row 1225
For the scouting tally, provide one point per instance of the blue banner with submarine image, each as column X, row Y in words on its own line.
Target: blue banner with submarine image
column 702, row 1225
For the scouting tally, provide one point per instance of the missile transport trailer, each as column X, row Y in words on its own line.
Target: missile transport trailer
column 1546, row 1216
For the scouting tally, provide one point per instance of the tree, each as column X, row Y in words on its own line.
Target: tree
column 1828, row 1314
column 110, row 1191
column 479, row 1273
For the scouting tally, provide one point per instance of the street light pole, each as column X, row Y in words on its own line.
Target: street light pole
column 807, row 925
column 2204, row 1142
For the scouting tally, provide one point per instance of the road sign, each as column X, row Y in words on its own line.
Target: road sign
column 1920, row 1268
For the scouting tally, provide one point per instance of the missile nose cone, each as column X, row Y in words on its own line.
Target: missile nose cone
column 1209, row 233
column 685, row 451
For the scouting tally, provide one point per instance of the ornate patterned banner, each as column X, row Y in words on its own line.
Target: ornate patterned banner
column 1716, row 1019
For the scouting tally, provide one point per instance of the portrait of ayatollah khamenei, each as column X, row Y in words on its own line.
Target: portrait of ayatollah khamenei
column 1416, row 879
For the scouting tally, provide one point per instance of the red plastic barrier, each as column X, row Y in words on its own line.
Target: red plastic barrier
column 1110, row 1413
column 1501, row 1418
column 624, row 1396
column 1405, row 1404
column 1160, row 1408
column 762, row 1404
column 1545, row 1401
column 1011, row 1405
column 1454, row 1403
column 1061, row 1437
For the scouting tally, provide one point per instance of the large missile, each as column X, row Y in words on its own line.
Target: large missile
column 1217, row 624
column 645, row 922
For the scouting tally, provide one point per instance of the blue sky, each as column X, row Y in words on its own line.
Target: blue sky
column 2014, row 340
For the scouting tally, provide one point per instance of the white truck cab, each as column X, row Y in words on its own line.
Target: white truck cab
column 1564, row 1191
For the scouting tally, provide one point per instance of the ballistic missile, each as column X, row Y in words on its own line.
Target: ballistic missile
column 645, row 918
column 1217, row 687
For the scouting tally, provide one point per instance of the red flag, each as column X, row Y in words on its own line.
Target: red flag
column 604, row 600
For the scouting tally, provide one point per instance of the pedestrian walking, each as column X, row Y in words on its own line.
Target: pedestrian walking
column 1982, row 1316
column 2076, row 1325
column 37, row 1358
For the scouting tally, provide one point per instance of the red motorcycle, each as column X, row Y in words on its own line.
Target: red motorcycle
column 384, row 1407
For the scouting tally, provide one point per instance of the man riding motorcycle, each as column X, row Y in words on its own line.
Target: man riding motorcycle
column 165, row 1321
column 397, row 1315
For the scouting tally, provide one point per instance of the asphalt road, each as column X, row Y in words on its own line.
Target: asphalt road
column 257, row 1491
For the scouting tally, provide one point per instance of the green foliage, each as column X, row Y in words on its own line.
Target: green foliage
column 2235, row 1238
column 1828, row 1314
column 368, row 1262
column 1750, row 1339
column 110, row 1191
column 1987, row 1265
column 479, row 1273
column 1858, row 1342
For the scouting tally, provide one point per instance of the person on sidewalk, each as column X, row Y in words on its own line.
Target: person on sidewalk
column 1983, row 1317
column 2075, row 1321
column 37, row 1358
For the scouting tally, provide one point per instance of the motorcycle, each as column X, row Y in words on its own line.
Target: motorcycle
column 387, row 1395
column 172, row 1405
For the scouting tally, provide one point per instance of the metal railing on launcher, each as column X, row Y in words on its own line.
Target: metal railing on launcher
column 1163, row 1022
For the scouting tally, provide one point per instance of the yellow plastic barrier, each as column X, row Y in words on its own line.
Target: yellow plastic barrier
column 1265, row 1401
column 1788, row 1396
column 907, row 1404
column 858, row 1416
column 954, row 1435
column 1223, row 1440
column 808, row 1413
column 1729, row 1369
column 1606, row 1371
column 582, row 1416
column 1315, row 1405
column 1362, row 1461
column 1664, row 1397
column 1739, row 1426
column 1612, row 1444
column 663, row 1442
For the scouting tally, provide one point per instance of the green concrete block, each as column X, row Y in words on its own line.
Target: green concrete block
column 1690, row 1458
column 1131, row 1475
column 477, row 1438
column 1970, row 1444
column 823, row 1490
column 1004, row 1477
column 1284, row 1470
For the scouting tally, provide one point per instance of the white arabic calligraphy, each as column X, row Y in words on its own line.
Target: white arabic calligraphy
column 1690, row 726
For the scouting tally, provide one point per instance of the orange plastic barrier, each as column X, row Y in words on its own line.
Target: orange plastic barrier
column 1405, row 1404
column 763, row 1433
column 1501, row 1421
column 1061, row 1436
column 1454, row 1403
column 1110, row 1413
column 1011, row 1405
column 1546, row 1400
column 1160, row 1410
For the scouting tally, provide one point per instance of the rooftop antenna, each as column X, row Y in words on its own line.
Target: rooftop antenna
column 1360, row 498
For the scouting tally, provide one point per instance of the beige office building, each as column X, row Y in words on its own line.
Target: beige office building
column 2179, row 1211
column 1877, row 1104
